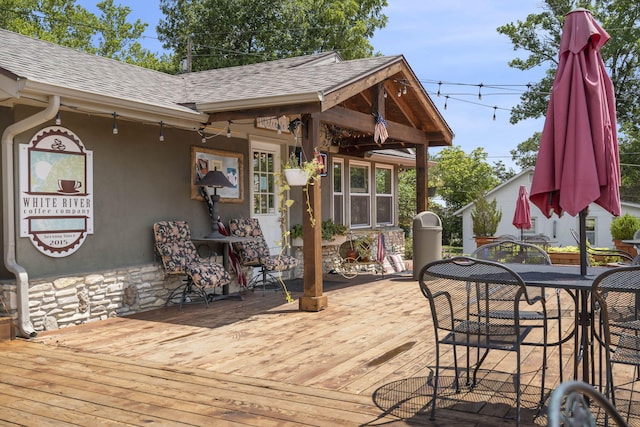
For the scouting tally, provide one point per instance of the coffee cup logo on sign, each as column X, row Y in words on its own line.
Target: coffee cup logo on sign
column 68, row 185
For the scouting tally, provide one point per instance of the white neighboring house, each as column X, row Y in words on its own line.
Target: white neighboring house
column 557, row 229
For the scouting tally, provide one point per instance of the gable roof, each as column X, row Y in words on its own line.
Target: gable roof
column 31, row 70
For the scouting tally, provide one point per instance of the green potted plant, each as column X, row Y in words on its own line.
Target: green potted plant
column 623, row 228
column 332, row 233
column 485, row 217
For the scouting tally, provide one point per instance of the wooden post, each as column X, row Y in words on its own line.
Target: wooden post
column 422, row 178
column 312, row 299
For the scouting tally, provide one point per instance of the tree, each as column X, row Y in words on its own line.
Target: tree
column 461, row 177
column 539, row 34
column 67, row 24
column 526, row 152
column 224, row 33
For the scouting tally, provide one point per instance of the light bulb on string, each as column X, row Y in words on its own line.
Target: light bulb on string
column 480, row 92
column 58, row 119
column 446, row 100
column 229, row 129
column 161, row 137
column 384, row 94
column 495, row 107
column 115, row 123
column 279, row 129
column 404, row 89
column 439, row 86
column 399, row 92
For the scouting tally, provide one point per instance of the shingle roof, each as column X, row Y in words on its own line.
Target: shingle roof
column 61, row 67
column 285, row 77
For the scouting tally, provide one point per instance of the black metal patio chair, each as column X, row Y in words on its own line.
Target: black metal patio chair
column 511, row 252
column 462, row 291
column 621, row 256
column 578, row 404
column 616, row 308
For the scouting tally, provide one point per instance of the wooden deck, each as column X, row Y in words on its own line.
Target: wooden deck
column 365, row 360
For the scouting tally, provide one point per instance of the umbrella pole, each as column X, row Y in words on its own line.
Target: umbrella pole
column 582, row 216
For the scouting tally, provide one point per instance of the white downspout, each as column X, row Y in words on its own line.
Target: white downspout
column 25, row 327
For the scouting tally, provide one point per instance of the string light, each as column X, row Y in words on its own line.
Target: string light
column 115, row 123
column 58, row 119
column 480, row 92
column 279, row 129
column 161, row 137
column 229, row 129
column 446, row 100
column 495, row 107
column 439, row 86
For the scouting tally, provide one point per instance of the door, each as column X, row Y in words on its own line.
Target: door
column 264, row 193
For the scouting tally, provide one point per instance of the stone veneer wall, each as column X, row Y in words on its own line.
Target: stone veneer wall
column 67, row 301
column 393, row 244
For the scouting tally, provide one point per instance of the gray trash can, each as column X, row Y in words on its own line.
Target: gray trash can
column 427, row 240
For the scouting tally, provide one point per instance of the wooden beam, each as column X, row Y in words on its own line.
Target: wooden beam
column 312, row 299
column 337, row 96
column 350, row 119
column 285, row 110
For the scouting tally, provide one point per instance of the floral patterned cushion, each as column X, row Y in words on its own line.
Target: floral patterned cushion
column 180, row 256
column 256, row 252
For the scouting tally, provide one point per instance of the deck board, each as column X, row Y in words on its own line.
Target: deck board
column 364, row 360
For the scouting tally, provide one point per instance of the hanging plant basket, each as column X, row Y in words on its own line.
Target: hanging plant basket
column 296, row 177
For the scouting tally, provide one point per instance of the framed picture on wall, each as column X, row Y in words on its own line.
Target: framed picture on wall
column 204, row 160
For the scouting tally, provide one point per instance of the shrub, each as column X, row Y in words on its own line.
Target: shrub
column 624, row 227
column 485, row 216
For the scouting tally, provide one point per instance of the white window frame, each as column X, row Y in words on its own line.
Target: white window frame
column 390, row 195
column 368, row 167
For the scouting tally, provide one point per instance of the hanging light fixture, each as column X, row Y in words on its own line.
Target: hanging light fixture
column 115, row 123
column 279, row 128
column 161, row 137
column 58, row 119
column 229, row 129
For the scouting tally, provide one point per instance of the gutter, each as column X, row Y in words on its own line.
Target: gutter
column 25, row 327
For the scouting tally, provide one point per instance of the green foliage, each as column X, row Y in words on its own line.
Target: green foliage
column 406, row 199
column 485, row 216
column 67, row 24
column 329, row 230
column 461, row 178
column 624, row 227
column 226, row 33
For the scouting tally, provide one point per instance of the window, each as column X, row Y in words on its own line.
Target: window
column 264, row 196
column 591, row 230
column 384, row 195
column 338, row 191
column 359, row 195
column 532, row 230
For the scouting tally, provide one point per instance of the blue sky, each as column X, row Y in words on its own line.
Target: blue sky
column 454, row 41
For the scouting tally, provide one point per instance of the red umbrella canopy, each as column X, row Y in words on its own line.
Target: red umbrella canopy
column 578, row 160
column 522, row 216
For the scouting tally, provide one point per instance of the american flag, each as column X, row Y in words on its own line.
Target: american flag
column 381, row 253
column 380, row 133
column 233, row 258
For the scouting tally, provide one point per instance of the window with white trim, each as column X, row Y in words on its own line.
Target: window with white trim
column 591, row 230
column 359, row 194
column 338, row 191
column 384, row 195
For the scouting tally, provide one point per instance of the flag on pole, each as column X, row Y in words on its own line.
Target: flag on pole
column 381, row 253
column 380, row 133
column 234, row 260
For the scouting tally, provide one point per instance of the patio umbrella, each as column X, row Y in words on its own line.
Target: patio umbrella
column 578, row 160
column 522, row 216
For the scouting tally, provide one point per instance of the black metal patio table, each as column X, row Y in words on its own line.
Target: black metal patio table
column 568, row 278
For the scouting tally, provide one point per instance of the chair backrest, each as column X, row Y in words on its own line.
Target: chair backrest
column 252, row 251
column 569, row 407
column 636, row 235
column 461, row 288
column 616, row 300
column 173, row 244
column 512, row 252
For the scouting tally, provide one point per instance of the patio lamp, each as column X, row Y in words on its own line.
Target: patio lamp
column 213, row 179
